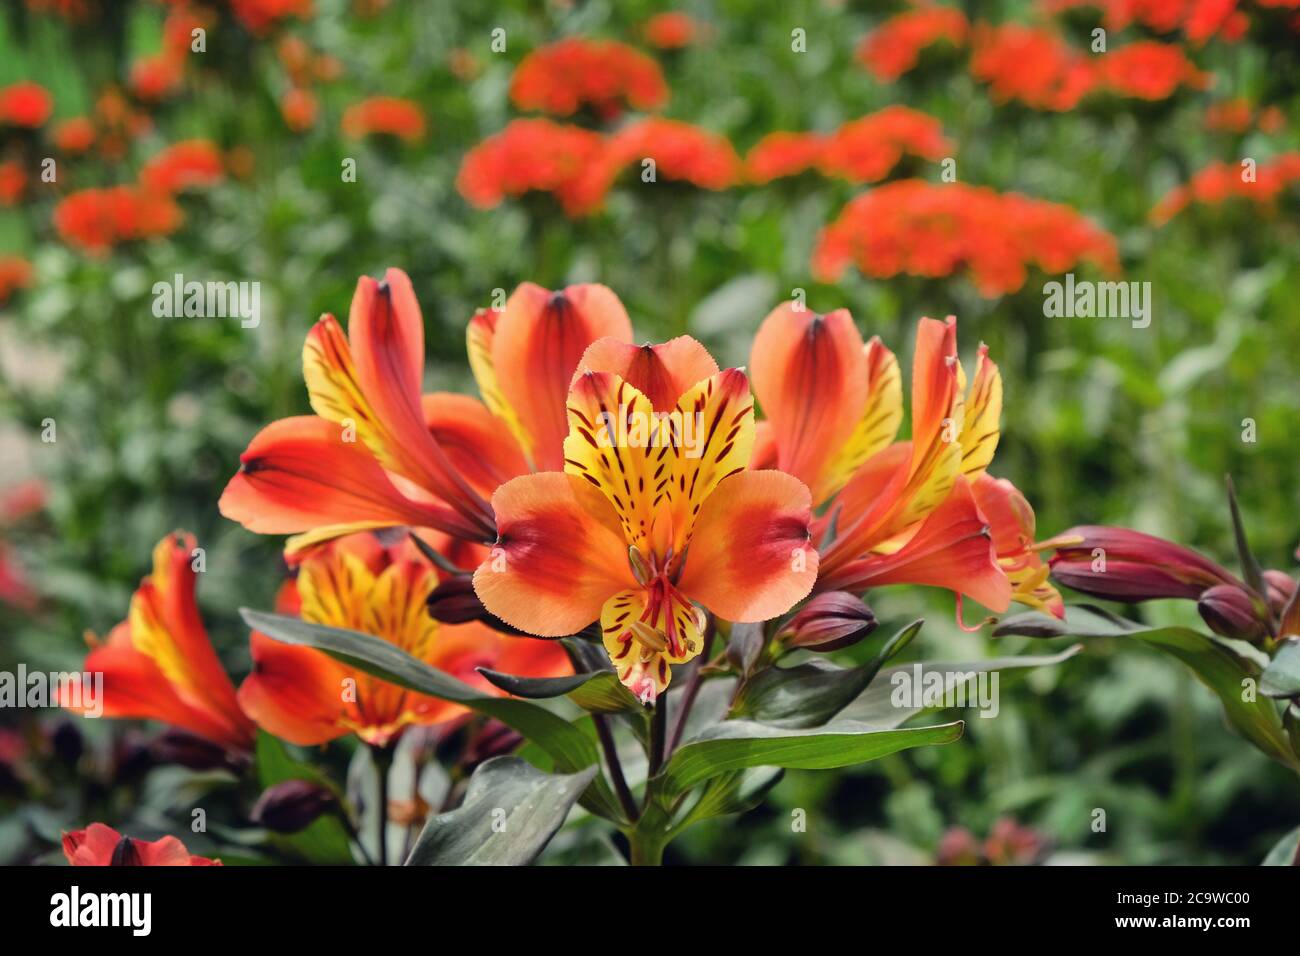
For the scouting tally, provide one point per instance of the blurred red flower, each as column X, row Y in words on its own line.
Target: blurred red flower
column 1219, row 182
column 75, row 135
column 298, row 107
column 1031, row 65
column 101, row 845
column 12, row 182
column 15, row 273
column 390, row 115
column 865, row 150
column 260, row 16
column 672, row 30
column 25, row 104
column 20, row 500
column 923, row 229
column 782, row 154
column 894, row 47
column 1148, row 70
column 155, row 78
column 534, row 155
column 185, row 165
column 95, row 220
column 1198, row 20
column 602, row 74
column 680, row 151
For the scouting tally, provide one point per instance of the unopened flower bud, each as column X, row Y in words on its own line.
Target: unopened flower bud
column 292, row 805
column 1230, row 611
column 829, row 622
column 1280, row 587
column 1124, row 565
column 454, row 601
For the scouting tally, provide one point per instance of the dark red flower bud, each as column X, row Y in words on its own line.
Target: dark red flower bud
column 491, row 740
column 126, row 853
column 455, row 602
column 196, row 753
column 829, row 622
column 1230, row 611
column 292, row 805
column 1124, row 565
column 1280, row 587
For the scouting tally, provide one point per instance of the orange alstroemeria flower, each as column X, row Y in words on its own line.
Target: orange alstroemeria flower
column 654, row 517
column 159, row 664
column 915, row 512
column 307, row 697
column 101, row 845
column 379, row 454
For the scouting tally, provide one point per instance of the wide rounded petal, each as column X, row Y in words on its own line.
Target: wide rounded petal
column 295, row 693
column 539, row 340
column 810, row 378
column 560, row 553
column 750, row 558
column 660, row 372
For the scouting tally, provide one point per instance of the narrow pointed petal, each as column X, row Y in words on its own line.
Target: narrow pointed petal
column 479, row 338
column 298, row 474
column 295, row 693
column 981, row 417
column 1012, row 525
column 539, row 340
column 660, row 372
column 862, row 514
column 810, row 377
column 627, row 620
column 560, row 554
column 951, row 549
column 750, row 558
column 880, row 419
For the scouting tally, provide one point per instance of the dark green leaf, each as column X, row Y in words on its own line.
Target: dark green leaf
column 1286, row 851
column 565, row 744
column 879, row 707
column 510, row 812
column 1249, row 566
column 738, row 744
column 745, row 647
column 596, row 691
column 809, row 694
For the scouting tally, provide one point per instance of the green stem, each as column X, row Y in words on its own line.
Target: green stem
column 692, row 689
column 658, row 736
column 382, row 758
column 621, row 788
column 645, row 852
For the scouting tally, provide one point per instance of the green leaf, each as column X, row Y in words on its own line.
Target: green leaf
column 510, row 812
column 1249, row 566
column 1281, row 677
column 738, row 791
column 1286, row 851
column 599, row 692
column 738, row 744
column 745, row 647
column 571, row 749
column 809, row 694
column 1226, row 666
column 325, row 840
column 878, row 707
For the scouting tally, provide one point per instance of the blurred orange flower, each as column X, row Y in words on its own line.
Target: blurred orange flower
column 602, row 74
column 924, row 229
column 389, row 115
column 95, row 220
column 1220, row 182
column 75, row 135
column 155, row 78
column 894, row 47
column 184, row 165
column 534, row 155
column 13, row 181
column 298, row 107
column 672, row 30
column 25, row 104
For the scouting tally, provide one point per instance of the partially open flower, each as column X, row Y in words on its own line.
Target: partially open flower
column 829, row 622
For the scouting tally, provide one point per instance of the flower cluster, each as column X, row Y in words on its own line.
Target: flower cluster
column 861, row 151
column 1220, row 182
column 917, row 228
column 895, row 47
column 1198, row 20
column 95, row 220
column 603, row 75
column 384, row 115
